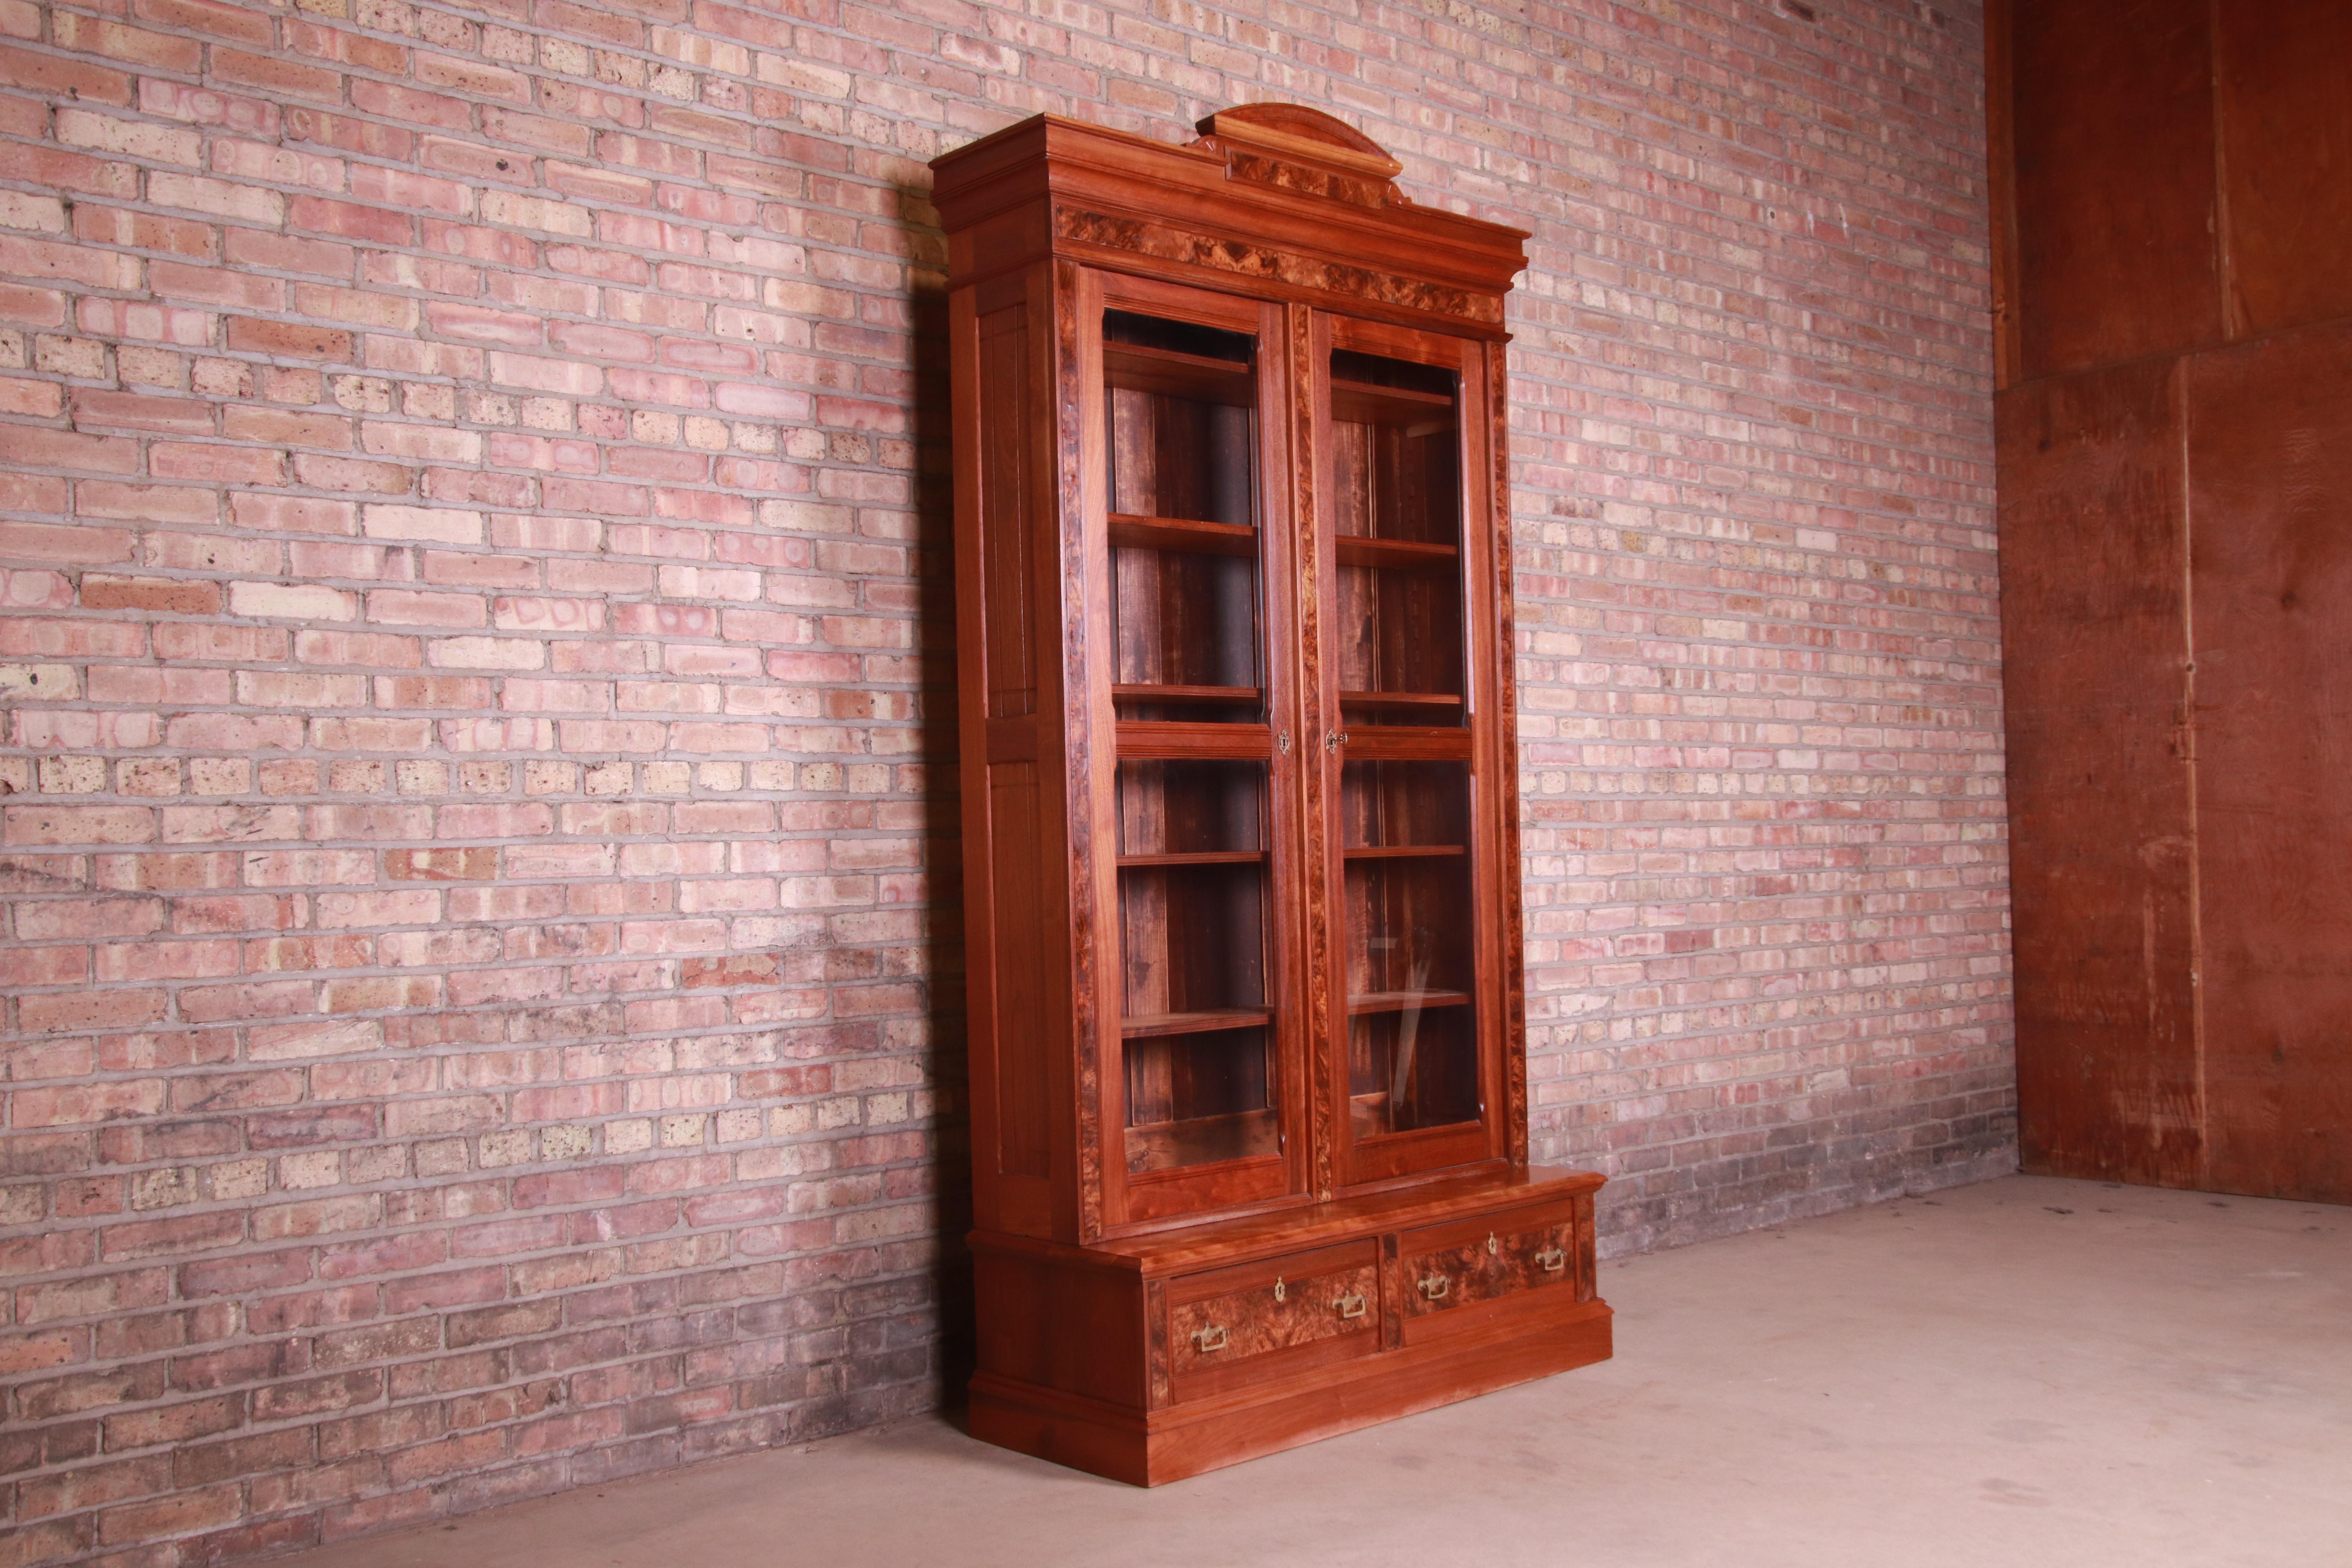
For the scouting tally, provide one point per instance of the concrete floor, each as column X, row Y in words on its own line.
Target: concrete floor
column 2024, row 1373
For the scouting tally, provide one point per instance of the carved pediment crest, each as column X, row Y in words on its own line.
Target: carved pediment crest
column 1295, row 148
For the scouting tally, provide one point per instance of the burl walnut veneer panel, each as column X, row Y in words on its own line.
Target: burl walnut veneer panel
column 2269, row 465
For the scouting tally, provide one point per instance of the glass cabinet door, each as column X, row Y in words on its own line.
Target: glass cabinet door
column 1403, row 822
column 1200, row 1083
column 1180, row 404
column 1396, row 522
column 1412, row 1048
column 1195, row 1014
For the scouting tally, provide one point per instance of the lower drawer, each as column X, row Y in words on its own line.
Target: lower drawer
column 1453, row 1269
column 1237, row 1324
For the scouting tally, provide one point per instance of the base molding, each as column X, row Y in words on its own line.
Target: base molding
column 1150, row 1448
column 1148, row 1360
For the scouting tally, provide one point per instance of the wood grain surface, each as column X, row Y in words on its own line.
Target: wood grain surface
column 2094, row 535
column 2282, row 73
column 2173, row 199
column 2115, row 187
column 2269, row 464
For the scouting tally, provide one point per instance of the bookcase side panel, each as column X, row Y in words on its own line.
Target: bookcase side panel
column 1019, row 914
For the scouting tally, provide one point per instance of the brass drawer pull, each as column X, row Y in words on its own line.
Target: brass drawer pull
column 1552, row 1258
column 1435, row 1287
column 1350, row 1305
column 1211, row 1337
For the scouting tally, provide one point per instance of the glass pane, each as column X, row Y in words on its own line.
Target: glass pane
column 1195, row 1030
column 1195, row 1098
column 1412, row 1056
column 1180, row 401
column 1397, row 514
column 1192, row 808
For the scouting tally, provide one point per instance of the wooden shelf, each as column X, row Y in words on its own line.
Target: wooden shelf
column 1139, row 739
column 1146, row 1026
column 1401, row 851
column 1361, row 403
column 1194, row 857
column 1398, row 1000
column 1193, row 696
column 1369, row 1114
column 1199, row 1140
column 1129, row 533
column 1172, row 374
column 1424, row 743
column 1354, row 549
column 1397, row 698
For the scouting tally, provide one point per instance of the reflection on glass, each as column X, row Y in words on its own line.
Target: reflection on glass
column 1397, row 514
column 1179, row 401
column 1196, row 1031
column 1412, row 1057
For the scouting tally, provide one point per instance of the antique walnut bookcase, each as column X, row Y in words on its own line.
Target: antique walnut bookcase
column 1248, row 1055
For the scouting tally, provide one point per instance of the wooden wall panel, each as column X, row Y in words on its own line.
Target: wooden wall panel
column 2270, row 463
column 2115, row 188
column 2173, row 196
column 2000, row 153
column 2094, row 573
column 2285, row 81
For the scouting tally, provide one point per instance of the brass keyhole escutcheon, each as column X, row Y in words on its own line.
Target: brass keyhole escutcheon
column 1490, row 1244
column 1281, row 1291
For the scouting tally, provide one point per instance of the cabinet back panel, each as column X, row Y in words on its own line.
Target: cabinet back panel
column 1185, row 619
column 1194, row 938
column 1173, row 456
column 1391, row 804
column 1184, row 807
column 1409, row 925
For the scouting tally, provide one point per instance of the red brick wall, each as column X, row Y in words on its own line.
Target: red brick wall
column 477, row 984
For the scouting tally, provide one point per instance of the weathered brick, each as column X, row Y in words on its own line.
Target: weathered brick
column 293, row 339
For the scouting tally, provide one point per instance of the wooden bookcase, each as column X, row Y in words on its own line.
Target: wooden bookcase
column 1248, row 1057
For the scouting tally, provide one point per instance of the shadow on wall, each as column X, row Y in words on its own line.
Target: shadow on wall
column 955, row 1353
